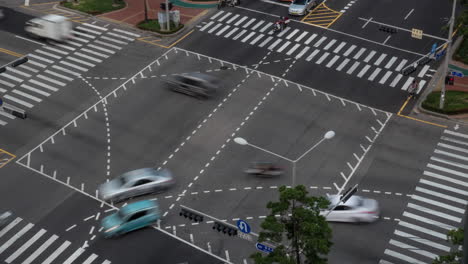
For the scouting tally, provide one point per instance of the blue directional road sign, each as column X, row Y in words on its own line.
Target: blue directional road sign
column 264, row 248
column 243, row 226
column 1, row 101
column 434, row 47
column 456, row 73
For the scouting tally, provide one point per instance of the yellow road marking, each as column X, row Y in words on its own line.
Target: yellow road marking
column 45, row 3
column 11, row 52
column 4, row 161
column 322, row 13
column 415, row 119
column 163, row 46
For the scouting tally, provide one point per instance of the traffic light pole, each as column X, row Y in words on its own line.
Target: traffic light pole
column 167, row 16
column 447, row 55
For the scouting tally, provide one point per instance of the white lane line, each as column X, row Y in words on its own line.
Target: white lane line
column 283, row 32
column 363, row 70
column 87, row 57
column 396, row 80
column 454, row 172
column 412, row 249
column 74, row 256
column 40, row 58
column 310, row 39
column 385, row 77
column 272, row 46
column 248, row 23
column 410, row 12
column 268, row 25
column 284, row 46
column 18, row 101
column 11, row 77
column 291, row 51
column 81, row 61
column 57, row 252
column 214, row 28
column 65, row 70
column 352, row 68
column 407, row 83
column 292, row 34
column 428, row 221
column 374, row 74
column 380, row 59
column 74, row 66
column 423, row 71
column 120, row 36
column 343, row 64
column 107, row 44
column 441, row 195
column 312, row 55
column 265, row 42
column 439, row 204
column 240, row 21
column 350, row 49
column 101, row 49
column 233, row 18
column 126, row 32
column 402, row 257
column 370, row 56
column 15, row 237
column 319, row 42
column 423, row 230
column 256, row 39
column 43, row 85
column 36, row 42
column 90, row 259
column 433, row 212
column 240, row 34
column 300, row 54
column 10, row 226
column 6, row 83
column 421, row 240
column 51, row 80
column 94, row 53
column 359, row 53
column 25, row 246
column 59, row 75
column 390, row 62
column 30, row 97
column 41, row 249
column 301, row 36
column 231, row 32
column 332, row 61
column 257, row 25
column 27, row 87
column 222, row 30
column 248, row 37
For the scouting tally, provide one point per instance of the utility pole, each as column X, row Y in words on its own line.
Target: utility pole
column 26, row 2
column 447, row 55
column 146, row 11
column 167, row 16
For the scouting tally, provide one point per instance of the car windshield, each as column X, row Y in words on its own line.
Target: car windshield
column 299, row 2
column 122, row 180
column 121, row 215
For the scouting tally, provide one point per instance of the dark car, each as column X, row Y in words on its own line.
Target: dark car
column 199, row 85
column 265, row 169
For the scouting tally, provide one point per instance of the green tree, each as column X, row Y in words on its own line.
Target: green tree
column 455, row 237
column 299, row 230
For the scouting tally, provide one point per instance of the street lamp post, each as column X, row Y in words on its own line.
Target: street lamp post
column 329, row 135
column 447, row 55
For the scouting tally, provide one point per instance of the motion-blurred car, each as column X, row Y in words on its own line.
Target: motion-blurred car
column 265, row 169
column 356, row 209
column 135, row 183
column 5, row 218
column 53, row 27
column 130, row 217
column 194, row 84
column 301, row 7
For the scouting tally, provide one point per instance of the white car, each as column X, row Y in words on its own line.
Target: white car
column 356, row 209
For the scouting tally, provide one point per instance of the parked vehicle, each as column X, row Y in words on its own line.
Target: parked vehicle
column 5, row 218
column 265, row 169
column 194, row 84
column 301, row 7
column 356, row 209
column 130, row 217
column 52, row 27
column 135, row 183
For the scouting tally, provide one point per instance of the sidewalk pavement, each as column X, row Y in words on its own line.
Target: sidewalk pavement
column 135, row 11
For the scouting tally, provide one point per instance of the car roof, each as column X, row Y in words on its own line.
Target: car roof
column 352, row 201
column 144, row 173
column 199, row 76
column 54, row 18
column 138, row 206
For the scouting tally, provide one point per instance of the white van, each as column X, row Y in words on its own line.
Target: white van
column 53, row 27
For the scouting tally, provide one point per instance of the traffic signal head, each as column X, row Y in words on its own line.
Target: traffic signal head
column 191, row 215
column 226, row 229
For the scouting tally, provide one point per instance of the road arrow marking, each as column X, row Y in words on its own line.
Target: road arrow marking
column 431, row 70
column 85, row 245
column 456, row 127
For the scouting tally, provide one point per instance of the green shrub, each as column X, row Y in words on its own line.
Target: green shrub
column 95, row 7
column 462, row 52
column 455, row 102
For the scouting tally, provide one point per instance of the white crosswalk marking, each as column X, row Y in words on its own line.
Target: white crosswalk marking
column 59, row 75
column 421, row 85
column 217, row 14
column 11, row 77
column 363, row 70
column 44, row 85
column 291, row 51
column 444, row 187
column 441, row 195
column 268, row 25
column 301, row 36
column 352, row 68
column 343, row 64
column 6, row 83
column 284, row 46
column 422, row 240
column 101, row 49
column 74, row 256
column 413, row 249
column 25, row 246
column 107, row 44
column 79, row 39
column 40, row 58
column 18, row 72
column 100, row 28
column 369, row 57
column 428, row 221
column 401, row 65
column 272, row 46
column 89, row 30
column 380, row 59
column 423, row 230
column 433, row 212
column 41, row 249
column 310, row 39
column 454, row 172
column 248, row 37
column 312, row 55
column 374, row 74
column 445, row 178
column 214, row 28
column 256, row 39
column 83, row 34
column 337, row 49
column 37, row 63
column 349, row 50
column 15, row 237
column 385, row 77
column 407, row 83
column 222, row 30
column 49, row 54
column 248, row 23
column 322, row 58
column 56, row 50
column 240, row 34
column 126, row 32
column 32, row 89
column 51, row 80
column 403, row 257
column 233, row 18
column 359, row 53
column 303, row 51
column 265, row 42
column 321, row 40
column 332, row 61
column 94, row 53
column 81, row 61
column 439, row 204
column 240, row 21
column 90, row 259
column 328, row 46
column 396, row 80
column 28, row 68
column 57, row 252
column 18, row 101
column 292, row 34
column 65, row 70
column 423, row 71
column 257, row 25
column 26, row 95
column 283, row 32
column 10, row 225
column 455, row 133
column 2, row 90
column 390, row 62
column 224, row 17
column 231, row 32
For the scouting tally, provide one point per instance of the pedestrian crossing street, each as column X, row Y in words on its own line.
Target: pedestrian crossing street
column 24, row 243
column 437, row 205
column 51, row 67
column 345, row 57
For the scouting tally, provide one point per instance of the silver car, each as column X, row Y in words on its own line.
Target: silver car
column 135, row 183
column 356, row 209
column 194, row 84
column 301, row 7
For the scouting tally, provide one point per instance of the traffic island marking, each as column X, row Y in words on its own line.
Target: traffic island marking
column 5, row 157
column 322, row 16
